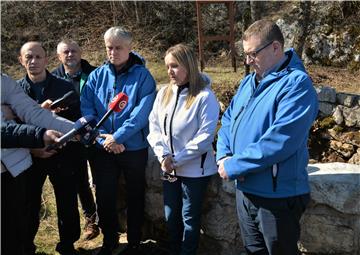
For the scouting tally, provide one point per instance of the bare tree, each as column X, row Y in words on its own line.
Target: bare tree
column 303, row 21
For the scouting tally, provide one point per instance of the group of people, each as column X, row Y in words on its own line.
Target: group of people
column 261, row 144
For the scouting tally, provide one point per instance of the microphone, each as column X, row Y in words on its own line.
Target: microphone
column 68, row 99
column 82, row 126
column 117, row 104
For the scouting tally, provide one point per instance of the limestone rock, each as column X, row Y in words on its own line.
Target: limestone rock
column 338, row 116
column 336, row 185
column 326, row 108
column 326, row 94
column 344, row 149
column 346, row 99
column 355, row 159
column 352, row 116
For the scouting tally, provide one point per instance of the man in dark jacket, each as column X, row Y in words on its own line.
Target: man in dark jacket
column 76, row 71
column 44, row 88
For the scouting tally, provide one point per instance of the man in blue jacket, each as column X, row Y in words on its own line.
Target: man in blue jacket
column 262, row 143
column 122, row 147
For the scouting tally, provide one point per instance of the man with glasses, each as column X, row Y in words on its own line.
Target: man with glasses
column 262, row 143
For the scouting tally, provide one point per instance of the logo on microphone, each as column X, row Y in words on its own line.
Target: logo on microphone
column 122, row 104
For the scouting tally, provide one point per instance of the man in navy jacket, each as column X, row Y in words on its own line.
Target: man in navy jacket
column 76, row 70
column 262, row 143
column 44, row 88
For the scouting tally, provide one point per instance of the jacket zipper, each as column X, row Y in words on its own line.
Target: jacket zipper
column 171, row 120
column 166, row 115
column 170, row 124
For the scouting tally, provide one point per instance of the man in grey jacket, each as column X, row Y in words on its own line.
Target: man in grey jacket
column 15, row 161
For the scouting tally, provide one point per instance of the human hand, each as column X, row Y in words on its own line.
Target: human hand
column 42, row 153
column 47, row 103
column 51, row 136
column 7, row 112
column 110, row 144
column 221, row 170
column 167, row 164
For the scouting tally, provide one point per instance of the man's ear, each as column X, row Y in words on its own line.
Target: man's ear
column 46, row 60
column 20, row 60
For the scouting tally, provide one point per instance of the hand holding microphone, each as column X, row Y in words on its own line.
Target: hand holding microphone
column 117, row 104
column 82, row 126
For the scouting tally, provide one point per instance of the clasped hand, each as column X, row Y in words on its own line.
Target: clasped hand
column 110, row 144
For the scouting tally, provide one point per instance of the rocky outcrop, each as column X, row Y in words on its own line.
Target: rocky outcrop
column 331, row 224
column 336, row 133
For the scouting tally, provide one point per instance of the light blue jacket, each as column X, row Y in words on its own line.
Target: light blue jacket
column 265, row 132
column 130, row 126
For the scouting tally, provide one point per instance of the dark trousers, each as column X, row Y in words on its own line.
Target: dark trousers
column 107, row 169
column 183, row 202
column 63, row 180
column 85, row 194
column 13, row 221
column 270, row 225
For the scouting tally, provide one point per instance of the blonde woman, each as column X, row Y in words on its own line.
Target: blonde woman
column 182, row 128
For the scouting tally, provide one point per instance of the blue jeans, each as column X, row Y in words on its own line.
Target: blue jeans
column 183, row 201
column 270, row 225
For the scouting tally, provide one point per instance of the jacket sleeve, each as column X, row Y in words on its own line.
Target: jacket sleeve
column 28, row 110
column 155, row 137
column 139, row 117
column 297, row 109
column 223, row 136
column 208, row 116
column 14, row 135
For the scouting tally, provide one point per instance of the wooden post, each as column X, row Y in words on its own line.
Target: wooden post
column 230, row 38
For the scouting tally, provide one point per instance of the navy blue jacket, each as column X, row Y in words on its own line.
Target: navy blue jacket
column 55, row 88
column 14, row 135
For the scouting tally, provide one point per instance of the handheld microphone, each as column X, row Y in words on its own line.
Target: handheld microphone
column 117, row 104
column 68, row 99
column 82, row 126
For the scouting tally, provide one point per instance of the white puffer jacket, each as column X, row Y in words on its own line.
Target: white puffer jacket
column 187, row 134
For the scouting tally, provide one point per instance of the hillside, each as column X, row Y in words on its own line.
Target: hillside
column 158, row 25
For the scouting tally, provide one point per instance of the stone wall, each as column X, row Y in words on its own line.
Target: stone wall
column 336, row 134
column 331, row 225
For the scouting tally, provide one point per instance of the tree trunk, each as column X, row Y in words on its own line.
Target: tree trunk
column 303, row 21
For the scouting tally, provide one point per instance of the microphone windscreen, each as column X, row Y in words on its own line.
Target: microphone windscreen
column 118, row 102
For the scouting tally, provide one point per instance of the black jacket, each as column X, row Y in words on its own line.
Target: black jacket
column 53, row 89
column 86, row 69
column 14, row 135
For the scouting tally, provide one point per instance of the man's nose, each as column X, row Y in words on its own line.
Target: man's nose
column 249, row 60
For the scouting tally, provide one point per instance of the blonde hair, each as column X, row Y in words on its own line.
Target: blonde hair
column 185, row 57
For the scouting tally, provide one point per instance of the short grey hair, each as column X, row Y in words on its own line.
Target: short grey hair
column 119, row 33
column 67, row 42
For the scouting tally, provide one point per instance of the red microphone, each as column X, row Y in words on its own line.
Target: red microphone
column 117, row 104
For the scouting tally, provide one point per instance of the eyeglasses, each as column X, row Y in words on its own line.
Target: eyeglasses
column 252, row 55
column 168, row 177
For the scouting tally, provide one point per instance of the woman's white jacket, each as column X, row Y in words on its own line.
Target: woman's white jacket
column 187, row 134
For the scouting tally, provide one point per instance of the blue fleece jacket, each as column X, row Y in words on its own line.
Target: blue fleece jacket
column 130, row 126
column 265, row 130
